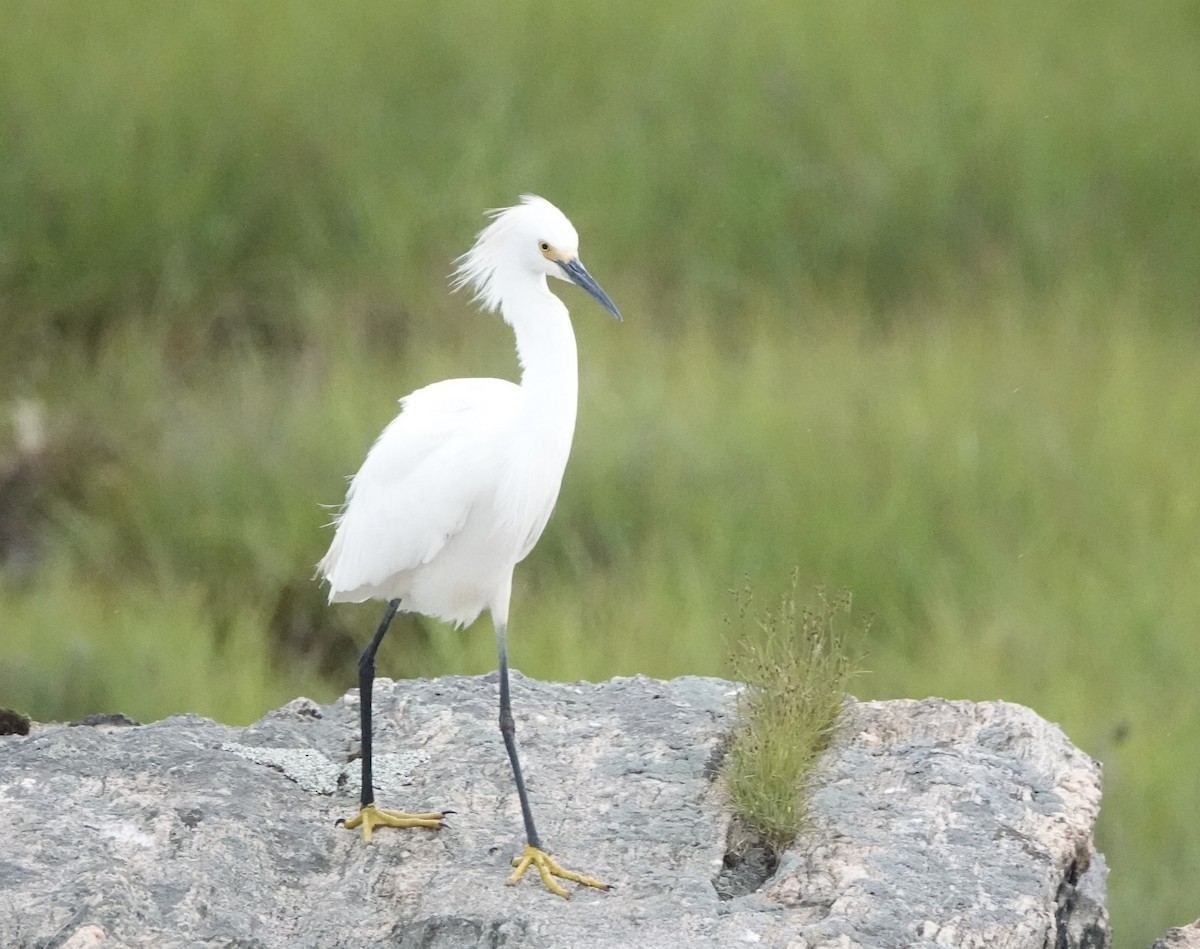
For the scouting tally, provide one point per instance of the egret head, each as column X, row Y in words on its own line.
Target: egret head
column 533, row 238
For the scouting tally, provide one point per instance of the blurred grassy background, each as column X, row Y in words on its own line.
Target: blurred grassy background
column 911, row 300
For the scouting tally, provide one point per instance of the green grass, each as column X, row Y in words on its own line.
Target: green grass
column 910, row 298
column 205, row 165
column 796, row 663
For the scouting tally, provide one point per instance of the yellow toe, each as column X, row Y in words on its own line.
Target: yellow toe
column 371, row 817
column 548, row 868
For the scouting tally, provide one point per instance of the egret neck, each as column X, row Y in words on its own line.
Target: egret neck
column 549, row 365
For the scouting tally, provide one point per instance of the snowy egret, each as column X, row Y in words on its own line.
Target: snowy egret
column 457, row 489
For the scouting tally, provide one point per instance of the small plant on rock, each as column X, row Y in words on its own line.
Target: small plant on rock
column 795, row 662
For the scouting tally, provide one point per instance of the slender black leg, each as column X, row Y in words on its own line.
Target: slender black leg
column 533, row 855
column 370, row 817
column 366, row 679
column 508, row 729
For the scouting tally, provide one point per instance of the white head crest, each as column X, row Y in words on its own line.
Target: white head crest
column 512, row 240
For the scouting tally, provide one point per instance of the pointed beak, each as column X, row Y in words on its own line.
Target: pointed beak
column 579, row 276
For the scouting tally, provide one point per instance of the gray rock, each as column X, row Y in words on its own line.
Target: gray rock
column 1185, row 937
column 935, row 823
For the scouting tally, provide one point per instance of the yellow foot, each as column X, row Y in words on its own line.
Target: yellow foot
column 547, row 869
column 371, row 817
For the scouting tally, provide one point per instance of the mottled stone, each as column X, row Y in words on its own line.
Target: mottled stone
column 933, row 824
column 1185, row 937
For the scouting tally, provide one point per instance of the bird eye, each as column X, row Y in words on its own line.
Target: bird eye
column 543, row 247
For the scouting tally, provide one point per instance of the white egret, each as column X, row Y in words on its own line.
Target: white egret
column 457, row 489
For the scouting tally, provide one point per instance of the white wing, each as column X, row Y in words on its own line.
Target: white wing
column 417, row 485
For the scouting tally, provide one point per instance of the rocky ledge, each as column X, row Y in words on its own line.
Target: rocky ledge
column 934, row 823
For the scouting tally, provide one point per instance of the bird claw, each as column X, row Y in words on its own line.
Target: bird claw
column 548, row 868
column 371, row 817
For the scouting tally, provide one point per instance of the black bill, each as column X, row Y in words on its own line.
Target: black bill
column 579, row 276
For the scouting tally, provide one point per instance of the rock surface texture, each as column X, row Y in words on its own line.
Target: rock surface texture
column 1185, row 937
column 934, row 823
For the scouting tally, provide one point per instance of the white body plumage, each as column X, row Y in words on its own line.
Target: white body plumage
column 458, row 488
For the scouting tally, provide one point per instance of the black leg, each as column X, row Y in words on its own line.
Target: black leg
column 366, row 678
column 508, row 729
